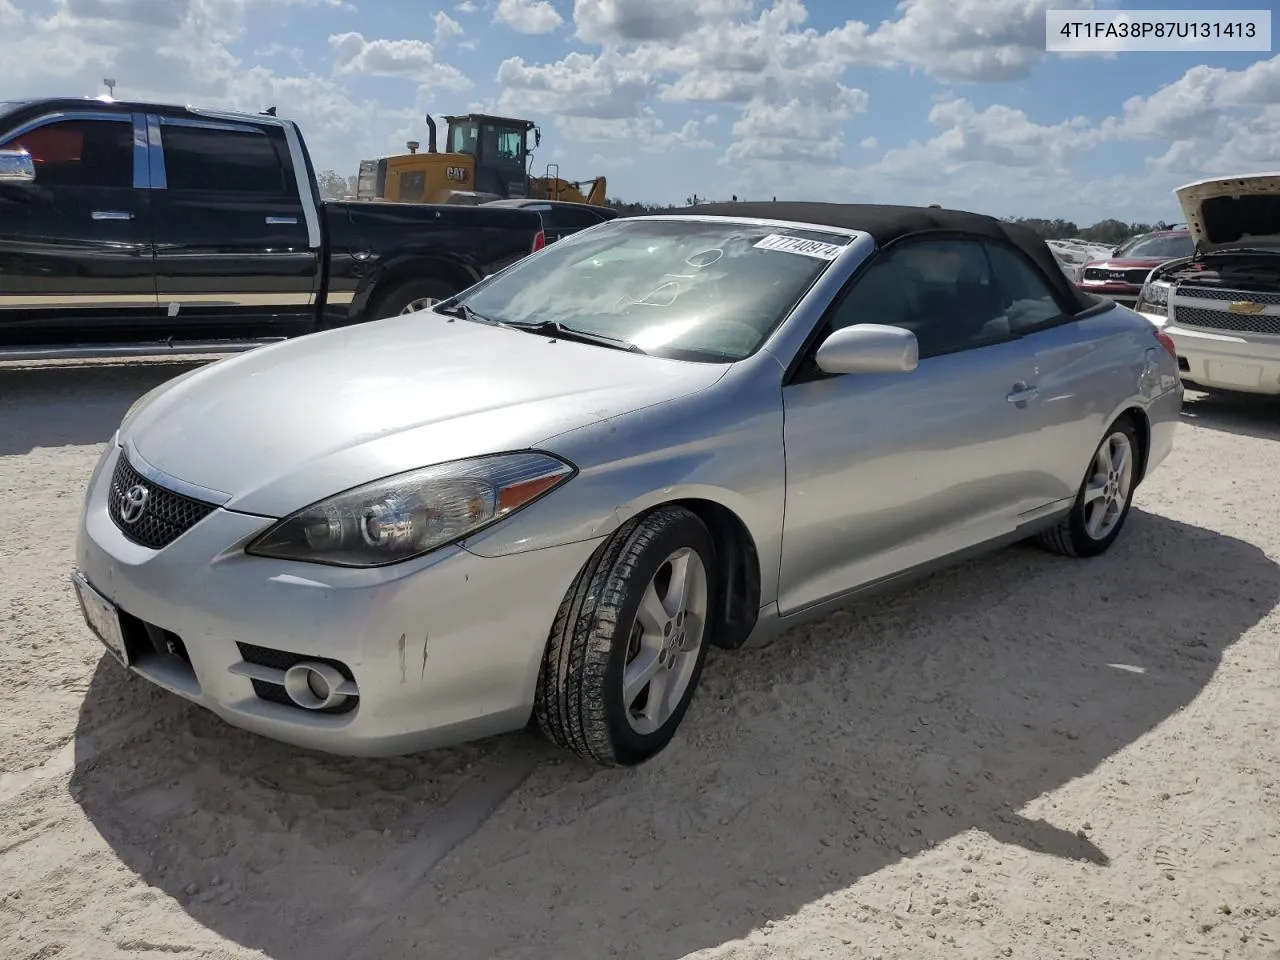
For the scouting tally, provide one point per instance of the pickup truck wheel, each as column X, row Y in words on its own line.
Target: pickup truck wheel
column 626, row 651
column 411, row 297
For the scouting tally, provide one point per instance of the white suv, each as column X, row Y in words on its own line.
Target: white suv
column 1221, row 306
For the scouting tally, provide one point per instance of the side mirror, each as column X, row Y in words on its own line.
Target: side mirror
column 16, row 166
column 869, row 348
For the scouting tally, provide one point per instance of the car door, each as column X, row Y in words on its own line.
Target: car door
column 1075, row 374
column 233, row 254
column 75, row 244
column 887, row 472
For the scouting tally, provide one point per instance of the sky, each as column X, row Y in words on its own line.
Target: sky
column 919, row 101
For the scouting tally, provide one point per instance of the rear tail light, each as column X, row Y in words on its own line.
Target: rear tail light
column 539, row 241
column 1166, row 341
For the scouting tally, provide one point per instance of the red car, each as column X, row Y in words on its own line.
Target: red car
column 1121, row 276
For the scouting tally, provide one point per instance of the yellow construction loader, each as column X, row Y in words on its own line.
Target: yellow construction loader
column 485, row 158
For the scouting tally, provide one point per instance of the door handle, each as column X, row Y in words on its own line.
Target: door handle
column 281, row 221
column 111, row 215
column 1021, row 393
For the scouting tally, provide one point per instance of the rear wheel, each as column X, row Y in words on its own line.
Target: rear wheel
column 629, row 640
column 1105, row 496
column 411, row 297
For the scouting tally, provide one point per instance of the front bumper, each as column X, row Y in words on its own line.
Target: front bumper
column 1228, row 361
column 1124, row 294
column 442, row 649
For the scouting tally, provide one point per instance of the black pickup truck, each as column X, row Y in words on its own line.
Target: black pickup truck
column 128, row 228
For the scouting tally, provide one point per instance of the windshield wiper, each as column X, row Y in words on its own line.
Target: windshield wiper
column 554, row 328
column 464, row 312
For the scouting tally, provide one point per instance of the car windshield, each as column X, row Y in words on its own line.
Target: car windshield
column 700, row 290
column 1166, row 248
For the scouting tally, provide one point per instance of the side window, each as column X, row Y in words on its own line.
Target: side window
column 80, row 153
column 225, row 161
column 940, row 290
column 572, row 219
column 1027, row 300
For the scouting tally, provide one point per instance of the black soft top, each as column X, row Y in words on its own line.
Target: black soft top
column 888, row 223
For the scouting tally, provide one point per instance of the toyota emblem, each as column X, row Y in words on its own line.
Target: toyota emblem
column 133, row 503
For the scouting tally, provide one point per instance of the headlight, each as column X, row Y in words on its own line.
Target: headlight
column 413, row 513
column 1154, row 298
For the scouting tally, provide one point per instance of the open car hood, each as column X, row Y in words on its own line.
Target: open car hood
column 1233, row 212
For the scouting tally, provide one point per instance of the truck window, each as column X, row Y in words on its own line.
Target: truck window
column 510, row 145
column 224, row 161
column 574, row 219
column 462, row 137
column 80, row 153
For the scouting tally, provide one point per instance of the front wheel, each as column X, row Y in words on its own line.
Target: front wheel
column 1105, row 496
column 411, row 297
column 629, row 640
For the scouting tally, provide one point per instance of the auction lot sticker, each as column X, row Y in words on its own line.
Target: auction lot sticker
column 807, row 248
column 1157, row 31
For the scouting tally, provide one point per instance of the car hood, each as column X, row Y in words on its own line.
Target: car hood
column 282, row 426
column 1233, row 212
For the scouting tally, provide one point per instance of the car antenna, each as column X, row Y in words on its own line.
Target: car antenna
column 269, row 112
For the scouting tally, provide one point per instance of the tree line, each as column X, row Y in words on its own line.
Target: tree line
column 1110, row 232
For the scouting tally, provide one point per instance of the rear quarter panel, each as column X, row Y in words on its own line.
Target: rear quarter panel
column 375, row 243
column 1089, row 371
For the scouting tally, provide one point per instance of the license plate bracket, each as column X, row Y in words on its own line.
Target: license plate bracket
column 102, row 618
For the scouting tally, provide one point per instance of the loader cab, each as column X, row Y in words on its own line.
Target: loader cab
column 500, row 146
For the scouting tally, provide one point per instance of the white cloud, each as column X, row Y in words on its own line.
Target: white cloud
column 1196, row 101
column 1214, row 121
column 607, row 87
column 797, row 131
column 769, row 62
column 447, row 28
column 528, row 16
column 868, row 143
column 982, row 40
column 639, row 21
column 414, row 59
column 466, row 6
column 646, row 132
column 184, row 56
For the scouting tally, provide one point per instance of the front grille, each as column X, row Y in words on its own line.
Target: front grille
column 165, row 515
column 1217, row 293
column 282, row 660
column 1134, row 277
column 1221, row 320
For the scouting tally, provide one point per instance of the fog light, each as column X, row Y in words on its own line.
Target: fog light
column 314, row 686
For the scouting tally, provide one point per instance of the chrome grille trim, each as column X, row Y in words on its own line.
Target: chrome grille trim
column 1232, row 296
column 167, row 515
column 1189, row 316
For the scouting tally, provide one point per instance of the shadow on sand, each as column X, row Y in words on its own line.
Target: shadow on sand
column 1243, row 414
column 73, row 404
column 840, row 749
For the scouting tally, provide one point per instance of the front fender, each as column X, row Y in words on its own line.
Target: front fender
column 722, row 445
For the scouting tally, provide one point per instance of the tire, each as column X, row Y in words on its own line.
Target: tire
column 401, row 297
column 1080, row 534
column 601, row 630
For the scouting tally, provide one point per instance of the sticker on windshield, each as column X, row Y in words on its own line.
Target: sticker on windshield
column 806, row 248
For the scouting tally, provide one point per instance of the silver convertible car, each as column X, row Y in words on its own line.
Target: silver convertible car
column 548, row 496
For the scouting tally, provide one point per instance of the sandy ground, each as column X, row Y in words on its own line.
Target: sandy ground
column 1023, row 757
